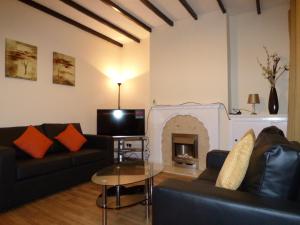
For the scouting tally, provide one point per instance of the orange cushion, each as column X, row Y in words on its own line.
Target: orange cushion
column 33, row 142
column 71, row 138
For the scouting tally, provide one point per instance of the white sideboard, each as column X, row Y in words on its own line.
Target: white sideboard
column 239, row 124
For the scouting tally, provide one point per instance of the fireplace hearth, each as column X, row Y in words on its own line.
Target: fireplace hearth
column 185, row 150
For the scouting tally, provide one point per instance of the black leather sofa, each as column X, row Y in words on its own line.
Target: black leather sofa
column 23, row 179
column 200, row 202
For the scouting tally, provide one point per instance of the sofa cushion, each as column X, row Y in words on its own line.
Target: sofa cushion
column 71, row 138
column 54, row 129
column 87, row 155
column 235, row 166
column 35, row 167
column 33, row 142
column 215, row 159
column 274, row 166
column 209, row 175
column 281, row 175
column 267, row 137
column 9, row 134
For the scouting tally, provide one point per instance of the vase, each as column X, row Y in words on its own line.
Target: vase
column 273, row 101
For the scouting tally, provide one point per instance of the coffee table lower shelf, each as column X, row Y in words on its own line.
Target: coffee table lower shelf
column 120, row 186
column 126, row 199
column 127, row 196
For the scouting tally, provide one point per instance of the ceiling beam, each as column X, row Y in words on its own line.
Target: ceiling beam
column 100, row 19
column 188, row 7
column 152, row 7
column 221, row 5
column 70, row 21
column 127, row 14
column 258, row 8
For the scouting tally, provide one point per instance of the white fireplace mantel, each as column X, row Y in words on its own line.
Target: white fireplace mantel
column 208, row 114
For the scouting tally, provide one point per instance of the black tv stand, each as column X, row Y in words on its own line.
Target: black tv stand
column 123, row 147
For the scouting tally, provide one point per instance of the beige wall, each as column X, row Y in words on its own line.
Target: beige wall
column 249, row 32
column 33, row 102
column 203, row 60
column 135, row 69
column 188, row 62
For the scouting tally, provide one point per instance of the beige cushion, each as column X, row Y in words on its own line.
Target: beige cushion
column 236, row 164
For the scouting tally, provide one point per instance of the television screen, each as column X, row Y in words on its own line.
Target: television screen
column 121, row 122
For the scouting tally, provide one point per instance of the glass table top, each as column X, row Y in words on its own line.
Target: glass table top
column 127, row 173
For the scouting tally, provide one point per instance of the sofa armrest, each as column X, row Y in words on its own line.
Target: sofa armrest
column 201, row 203
column 215, row 159
column 7, row 175
column 101, row 142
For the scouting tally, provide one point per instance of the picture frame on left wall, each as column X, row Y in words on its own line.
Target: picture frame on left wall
column 20, row 60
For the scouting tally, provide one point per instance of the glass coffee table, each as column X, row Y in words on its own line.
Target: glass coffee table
column 129, row 174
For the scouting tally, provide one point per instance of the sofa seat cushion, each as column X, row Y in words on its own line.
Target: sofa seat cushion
column 87, row 155
column 35, row 167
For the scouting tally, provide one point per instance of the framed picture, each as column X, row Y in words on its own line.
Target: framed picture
column 20, row 60
column 63, row 69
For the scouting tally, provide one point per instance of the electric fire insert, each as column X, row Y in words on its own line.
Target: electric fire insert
column 185, row 150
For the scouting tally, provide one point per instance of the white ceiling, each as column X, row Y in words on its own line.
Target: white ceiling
column 171, row 8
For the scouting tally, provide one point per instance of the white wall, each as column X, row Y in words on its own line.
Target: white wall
column 188, row 62
column 33, row 102
column 249, row 32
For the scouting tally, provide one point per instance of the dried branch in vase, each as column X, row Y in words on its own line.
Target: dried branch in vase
column 272, row 71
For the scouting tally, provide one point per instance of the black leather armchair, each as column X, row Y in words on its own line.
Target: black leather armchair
column 200, row 202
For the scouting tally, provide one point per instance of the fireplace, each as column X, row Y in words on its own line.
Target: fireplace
column 203, row 120
column 185, row 150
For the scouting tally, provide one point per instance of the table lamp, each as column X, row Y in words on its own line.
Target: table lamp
column 253, row 99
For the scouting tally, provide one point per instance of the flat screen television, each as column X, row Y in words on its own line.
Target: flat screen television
column 121, row 122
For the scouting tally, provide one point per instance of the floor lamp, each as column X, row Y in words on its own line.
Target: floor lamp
column 119, row 97
column 118, row 113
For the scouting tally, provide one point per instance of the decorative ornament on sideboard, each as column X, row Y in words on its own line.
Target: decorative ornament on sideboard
column 272, row 71
column 253, row 99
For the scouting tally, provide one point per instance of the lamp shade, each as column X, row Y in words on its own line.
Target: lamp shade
column 253, row 99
